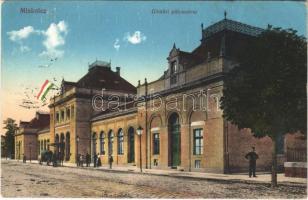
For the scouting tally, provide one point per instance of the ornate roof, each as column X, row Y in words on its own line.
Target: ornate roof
column 227, row 24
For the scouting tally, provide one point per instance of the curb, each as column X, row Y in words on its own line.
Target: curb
column 285, row 183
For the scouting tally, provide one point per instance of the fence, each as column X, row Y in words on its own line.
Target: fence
column 296, row 154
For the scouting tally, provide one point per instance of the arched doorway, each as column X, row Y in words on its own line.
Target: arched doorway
column 174, row 140
column 131, row 145
column 68, row 146
column 94, row 144
column 110, row 142
column 62, row 146
column 56, row 144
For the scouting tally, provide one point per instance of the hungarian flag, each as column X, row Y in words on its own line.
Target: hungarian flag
column 44, row 90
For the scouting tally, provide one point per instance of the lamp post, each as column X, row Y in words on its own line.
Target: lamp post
column 30, row 144
column 77, row 141
column 18, row 151
column 139, row 132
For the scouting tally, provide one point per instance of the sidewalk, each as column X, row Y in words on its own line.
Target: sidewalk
column 261, row 177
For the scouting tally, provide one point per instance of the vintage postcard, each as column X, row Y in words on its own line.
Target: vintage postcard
column 154, row 99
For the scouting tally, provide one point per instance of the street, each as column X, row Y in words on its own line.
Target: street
column 33, row 180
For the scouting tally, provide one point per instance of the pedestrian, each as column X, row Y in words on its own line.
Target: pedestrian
column 95, row 160
column 99, row 163
column 54, row 160
column 78, row 160
column 61, row 158
column 81, row 160
column 110, row 161
column 252, row 156
column 24, row 159
column 88, row 159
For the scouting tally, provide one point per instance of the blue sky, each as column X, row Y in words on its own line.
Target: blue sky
column 92, row 28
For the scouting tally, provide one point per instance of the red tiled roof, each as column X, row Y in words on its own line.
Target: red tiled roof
column 100, row 77
column 40, row 121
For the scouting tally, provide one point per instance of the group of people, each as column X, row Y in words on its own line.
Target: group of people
column 50, row 157
column 81, row 159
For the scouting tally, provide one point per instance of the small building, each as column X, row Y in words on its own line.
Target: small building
column 26, row 136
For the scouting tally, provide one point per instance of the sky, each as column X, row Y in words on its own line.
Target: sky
column 71, row 34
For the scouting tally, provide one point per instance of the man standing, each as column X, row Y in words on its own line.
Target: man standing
column 88, row 159
column 252, row 157
column 24, row 158
column 110, row 161
column 94, row 159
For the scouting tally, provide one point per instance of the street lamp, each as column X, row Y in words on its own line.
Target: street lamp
column 30, row 144
column 77, row 141
column 18, row 150
column 139, row 132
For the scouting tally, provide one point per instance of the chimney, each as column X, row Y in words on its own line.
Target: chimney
column 118, row 70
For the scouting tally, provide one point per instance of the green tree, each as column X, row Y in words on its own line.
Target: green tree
column 10, row 127
column 266, row 91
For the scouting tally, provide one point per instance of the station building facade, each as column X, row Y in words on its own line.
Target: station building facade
column 179, row 113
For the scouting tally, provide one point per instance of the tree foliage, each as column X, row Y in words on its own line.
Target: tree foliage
column 266, row 92
column 11, row 127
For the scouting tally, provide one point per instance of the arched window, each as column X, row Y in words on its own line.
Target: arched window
column 120, row 142
column 102, row 143
column 110, row 142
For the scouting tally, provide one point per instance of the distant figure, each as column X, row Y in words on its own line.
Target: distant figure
column 95, row 160
column 49, row 157
column 61, row 158
column 54, row 159
column 99, row 163
column 78, row 160
column 24, row 158
column 88, row 159
column 110, row 161
column 252, row 157
column 81, row 160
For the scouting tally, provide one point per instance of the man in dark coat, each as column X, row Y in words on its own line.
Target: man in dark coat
column 252, row 157
column 99, row 162
column 24, row 158
column 88, row 159
column 95, row 159
column 110, row 161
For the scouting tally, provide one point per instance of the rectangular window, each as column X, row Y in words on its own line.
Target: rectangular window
column 198, row 141
column 62, row 115
column 156, row 143
column 68, row 114
column 173, row 67
column 57, row 117
column 197, row 163
column 173, row 79
column 72, row 111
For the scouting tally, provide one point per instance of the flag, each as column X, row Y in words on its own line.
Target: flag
column 44, row 90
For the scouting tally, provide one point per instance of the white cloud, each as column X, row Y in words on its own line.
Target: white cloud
column 22, row 33
column 24, row 49
column 116, row 44
column 135, row 38
column 55, row 38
